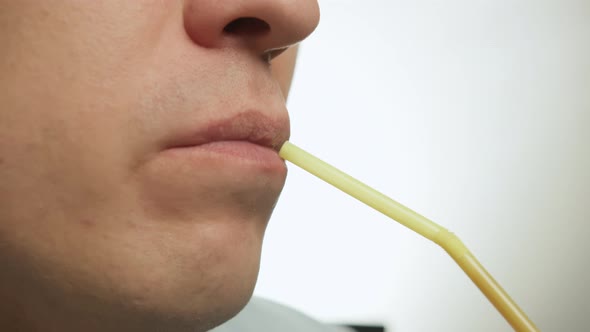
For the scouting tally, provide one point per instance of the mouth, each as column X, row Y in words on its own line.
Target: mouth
column 250, row 137
column 251, row 126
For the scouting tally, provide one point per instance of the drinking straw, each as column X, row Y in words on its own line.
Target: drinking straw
column 418, row 223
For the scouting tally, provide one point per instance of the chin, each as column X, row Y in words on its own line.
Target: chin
column 197, row 283
column 214, row 288
column 200, row 308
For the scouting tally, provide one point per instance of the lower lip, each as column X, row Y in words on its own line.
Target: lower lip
column 239, row 153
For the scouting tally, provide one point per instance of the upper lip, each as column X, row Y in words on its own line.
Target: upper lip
column 252, row 126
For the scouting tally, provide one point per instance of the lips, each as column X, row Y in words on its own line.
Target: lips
column 246, row 142
column 251, row 127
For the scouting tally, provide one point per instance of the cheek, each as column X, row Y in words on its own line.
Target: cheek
column 63, row 157
column 68, row 91
column 58, row 148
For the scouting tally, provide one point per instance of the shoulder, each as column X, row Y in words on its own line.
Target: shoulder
column 263, row 315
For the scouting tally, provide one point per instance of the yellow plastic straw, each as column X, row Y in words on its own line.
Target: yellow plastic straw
column 421, row 225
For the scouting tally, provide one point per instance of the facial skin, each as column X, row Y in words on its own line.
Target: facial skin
column 104, row 226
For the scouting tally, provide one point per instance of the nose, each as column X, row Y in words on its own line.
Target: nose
column 260, row 25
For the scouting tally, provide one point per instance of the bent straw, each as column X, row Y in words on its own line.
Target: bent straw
column 418, row 223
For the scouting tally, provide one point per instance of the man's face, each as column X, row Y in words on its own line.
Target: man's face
column 136, row 166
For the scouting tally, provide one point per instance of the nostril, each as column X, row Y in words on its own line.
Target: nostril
column 247, row 26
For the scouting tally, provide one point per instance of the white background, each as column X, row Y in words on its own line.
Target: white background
column 475, row 114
